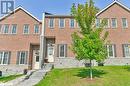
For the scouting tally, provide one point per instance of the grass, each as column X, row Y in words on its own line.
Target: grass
column 8, row 78
column 103, row 76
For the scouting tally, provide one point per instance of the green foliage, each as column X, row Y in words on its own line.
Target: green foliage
column 88, row 43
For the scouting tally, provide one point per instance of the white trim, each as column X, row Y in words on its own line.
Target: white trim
column 3, row 31
column 24, row 57
column 38, row 28
column 59, row 23
column 117, row 2
column 108, row 21
column 3, row 53
column 28, row 29
column 24, row 11
column 113, row 49
column 126, row 23
column 116, row 23
column 53, row 23
column 70, row 23
column 64, row 50
column 12, row 28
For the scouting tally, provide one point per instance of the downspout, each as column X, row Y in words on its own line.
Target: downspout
column 42, row 40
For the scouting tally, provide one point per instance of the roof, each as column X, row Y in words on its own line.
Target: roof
column 20, row 8
column 114, row 2
column 63, row 16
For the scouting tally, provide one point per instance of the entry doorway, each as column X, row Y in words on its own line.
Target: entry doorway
column 36, row 59
column 50, row 52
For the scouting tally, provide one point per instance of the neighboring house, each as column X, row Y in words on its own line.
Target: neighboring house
column 27, row 43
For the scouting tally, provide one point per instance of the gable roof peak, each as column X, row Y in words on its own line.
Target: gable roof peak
column 18, row 8
column 114, row 2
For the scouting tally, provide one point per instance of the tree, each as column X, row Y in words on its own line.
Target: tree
column 89, row 42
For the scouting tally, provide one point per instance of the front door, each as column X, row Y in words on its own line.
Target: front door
column 36, row 59
column 50, row 54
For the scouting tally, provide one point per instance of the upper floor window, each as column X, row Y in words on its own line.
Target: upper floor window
column 26, row 29
column 97, row 22
column 4, row 58
column 14, row 29
column 36, row 29
column 107, row 24
column 72, row 23
column 111, row 51
column 61, row 23
column 126, row 49
column 114, row 23
column 22, row 57
column 51, row 23
column 124, row 23
column 6, row 29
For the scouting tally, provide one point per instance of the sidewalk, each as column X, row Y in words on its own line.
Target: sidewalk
column 33, row 79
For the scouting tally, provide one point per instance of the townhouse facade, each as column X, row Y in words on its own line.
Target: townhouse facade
column 27, row 42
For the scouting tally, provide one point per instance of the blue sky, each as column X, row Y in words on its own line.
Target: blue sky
column 37, row 7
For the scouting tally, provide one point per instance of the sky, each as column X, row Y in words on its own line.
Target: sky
column 59, row 7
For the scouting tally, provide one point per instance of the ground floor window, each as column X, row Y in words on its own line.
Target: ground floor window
column 111, row 50
column 22, row 57
column 62, row 50
column 4, row 58
column 126, row 49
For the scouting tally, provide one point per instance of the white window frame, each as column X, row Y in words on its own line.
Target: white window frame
column 99, row 22
column 4, row 29
column 38, row 28
column 59, row 23
column 129, row 50
column 60, row 50
column 28, row 29
column 70, row 23
column 113, row 49
column 126, row 23
column 24, row 57
column 115, row 21
column 53, row 23
column 12, row 29
column 3, row 53
column 108, row 21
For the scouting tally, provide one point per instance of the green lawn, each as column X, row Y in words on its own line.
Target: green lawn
column 8, row 78
column 103, row 76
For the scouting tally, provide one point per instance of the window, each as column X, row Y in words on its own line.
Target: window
column 4, row 58
column 6, row 29
column 51, row 23
column 61, row 23
column 114, row 23
column 22, row 57
column 36, row 29
column 111, row 51
column 107, row 23
column 72, row 23
column 14, row 29
column 97, row 22
column 126, row 48
column 62, row 50
column 124, row 23
column 26, row 29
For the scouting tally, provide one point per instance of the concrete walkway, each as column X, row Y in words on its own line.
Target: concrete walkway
column 33, row 79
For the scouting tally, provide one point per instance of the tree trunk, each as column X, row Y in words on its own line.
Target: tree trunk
column 91, row 73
